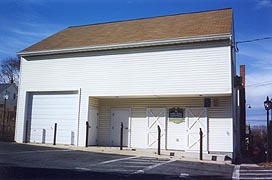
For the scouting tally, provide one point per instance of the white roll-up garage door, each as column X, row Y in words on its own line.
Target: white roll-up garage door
column 46, row 109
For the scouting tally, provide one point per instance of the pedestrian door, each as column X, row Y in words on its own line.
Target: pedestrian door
column 93, row 120
column 119, row 116
column 196, row 119
column 156, row 117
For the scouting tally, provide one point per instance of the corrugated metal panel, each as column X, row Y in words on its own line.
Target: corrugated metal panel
column 219, row 125
column 181, row 70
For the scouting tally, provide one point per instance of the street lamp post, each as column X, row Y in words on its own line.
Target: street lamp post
column 267, row 106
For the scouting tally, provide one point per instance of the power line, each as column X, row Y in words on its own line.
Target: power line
column 266, row 83
column 248, row 41
column 253, row 40
column 255, row 120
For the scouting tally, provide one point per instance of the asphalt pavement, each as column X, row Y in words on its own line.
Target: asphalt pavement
column 26, row 161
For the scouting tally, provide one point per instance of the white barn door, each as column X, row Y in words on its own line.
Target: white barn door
column 119, row 116
column 156, row 117
column 196, row 119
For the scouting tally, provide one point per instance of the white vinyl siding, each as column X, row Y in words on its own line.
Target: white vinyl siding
column 182, row 70
column 219, row 122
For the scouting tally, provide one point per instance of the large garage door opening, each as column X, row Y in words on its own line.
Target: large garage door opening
column 46, row 109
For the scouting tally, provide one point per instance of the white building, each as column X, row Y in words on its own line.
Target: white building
column 8, row 96
column 175, row 72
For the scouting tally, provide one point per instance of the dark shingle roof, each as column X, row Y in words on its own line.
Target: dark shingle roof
column 198, row 24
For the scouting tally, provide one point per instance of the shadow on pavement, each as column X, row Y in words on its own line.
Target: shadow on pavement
column 11, row 172
column 16, row 147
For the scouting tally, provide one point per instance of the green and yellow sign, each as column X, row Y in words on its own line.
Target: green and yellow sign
column 176, row 115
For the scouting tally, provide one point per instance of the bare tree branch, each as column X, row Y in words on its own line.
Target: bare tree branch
column 10, row 70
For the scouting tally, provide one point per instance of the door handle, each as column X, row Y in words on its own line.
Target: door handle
column 126, row 128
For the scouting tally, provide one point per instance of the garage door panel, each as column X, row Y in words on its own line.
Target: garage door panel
column 47, row 109
column 53, row 113
column 53, row 106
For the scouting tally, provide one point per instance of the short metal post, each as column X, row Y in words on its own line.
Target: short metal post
column 55, row 134
column 159, row 140
column 121, row 136
column 269, row 145
column 201, row 144
column 26, row 131
column 87, row 134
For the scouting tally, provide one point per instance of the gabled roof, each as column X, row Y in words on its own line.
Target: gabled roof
column 4, row 86
column 198, row 24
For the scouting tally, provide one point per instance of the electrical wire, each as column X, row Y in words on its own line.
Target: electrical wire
column 255, row 120
column 248, row 41
column 253, row 40
column 266, row 83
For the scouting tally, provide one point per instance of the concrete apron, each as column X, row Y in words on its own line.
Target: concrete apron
column 165, row 154
column 169, row 154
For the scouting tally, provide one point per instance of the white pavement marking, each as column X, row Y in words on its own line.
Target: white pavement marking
column 151, row 167
column 255, row 174
column 236, row 173
column 256, row 170
column 41, row 151
column 183, row 175
column 82, row 169
column 259, row 178
column 115, row 160
column 138, row 162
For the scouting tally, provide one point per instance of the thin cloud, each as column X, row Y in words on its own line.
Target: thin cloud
column 31, row 33
column 264, row 4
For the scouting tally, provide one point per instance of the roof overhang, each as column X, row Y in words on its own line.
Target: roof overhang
column 215, row 37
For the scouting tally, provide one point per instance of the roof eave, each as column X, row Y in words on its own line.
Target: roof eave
column 215, row 37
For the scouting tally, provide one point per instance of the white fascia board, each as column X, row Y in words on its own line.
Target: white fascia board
column 214, row 94
column 130, row 45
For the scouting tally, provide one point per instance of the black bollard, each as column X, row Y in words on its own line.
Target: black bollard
column 26, row 132
column 87, row 134
column 159, row 140
column 55, row 134
column 121, row 136
column 200, row 144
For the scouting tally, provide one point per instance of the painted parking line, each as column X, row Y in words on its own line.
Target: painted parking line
column 116, row 160
column 128, row 165
column 183, row 175
column 148, row 168
column 40, row 151
column 82, row 169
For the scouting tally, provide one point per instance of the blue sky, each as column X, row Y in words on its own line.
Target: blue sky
column 24, row 22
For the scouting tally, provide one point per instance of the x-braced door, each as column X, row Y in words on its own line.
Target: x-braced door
column 156, row 117
column 196, row 119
